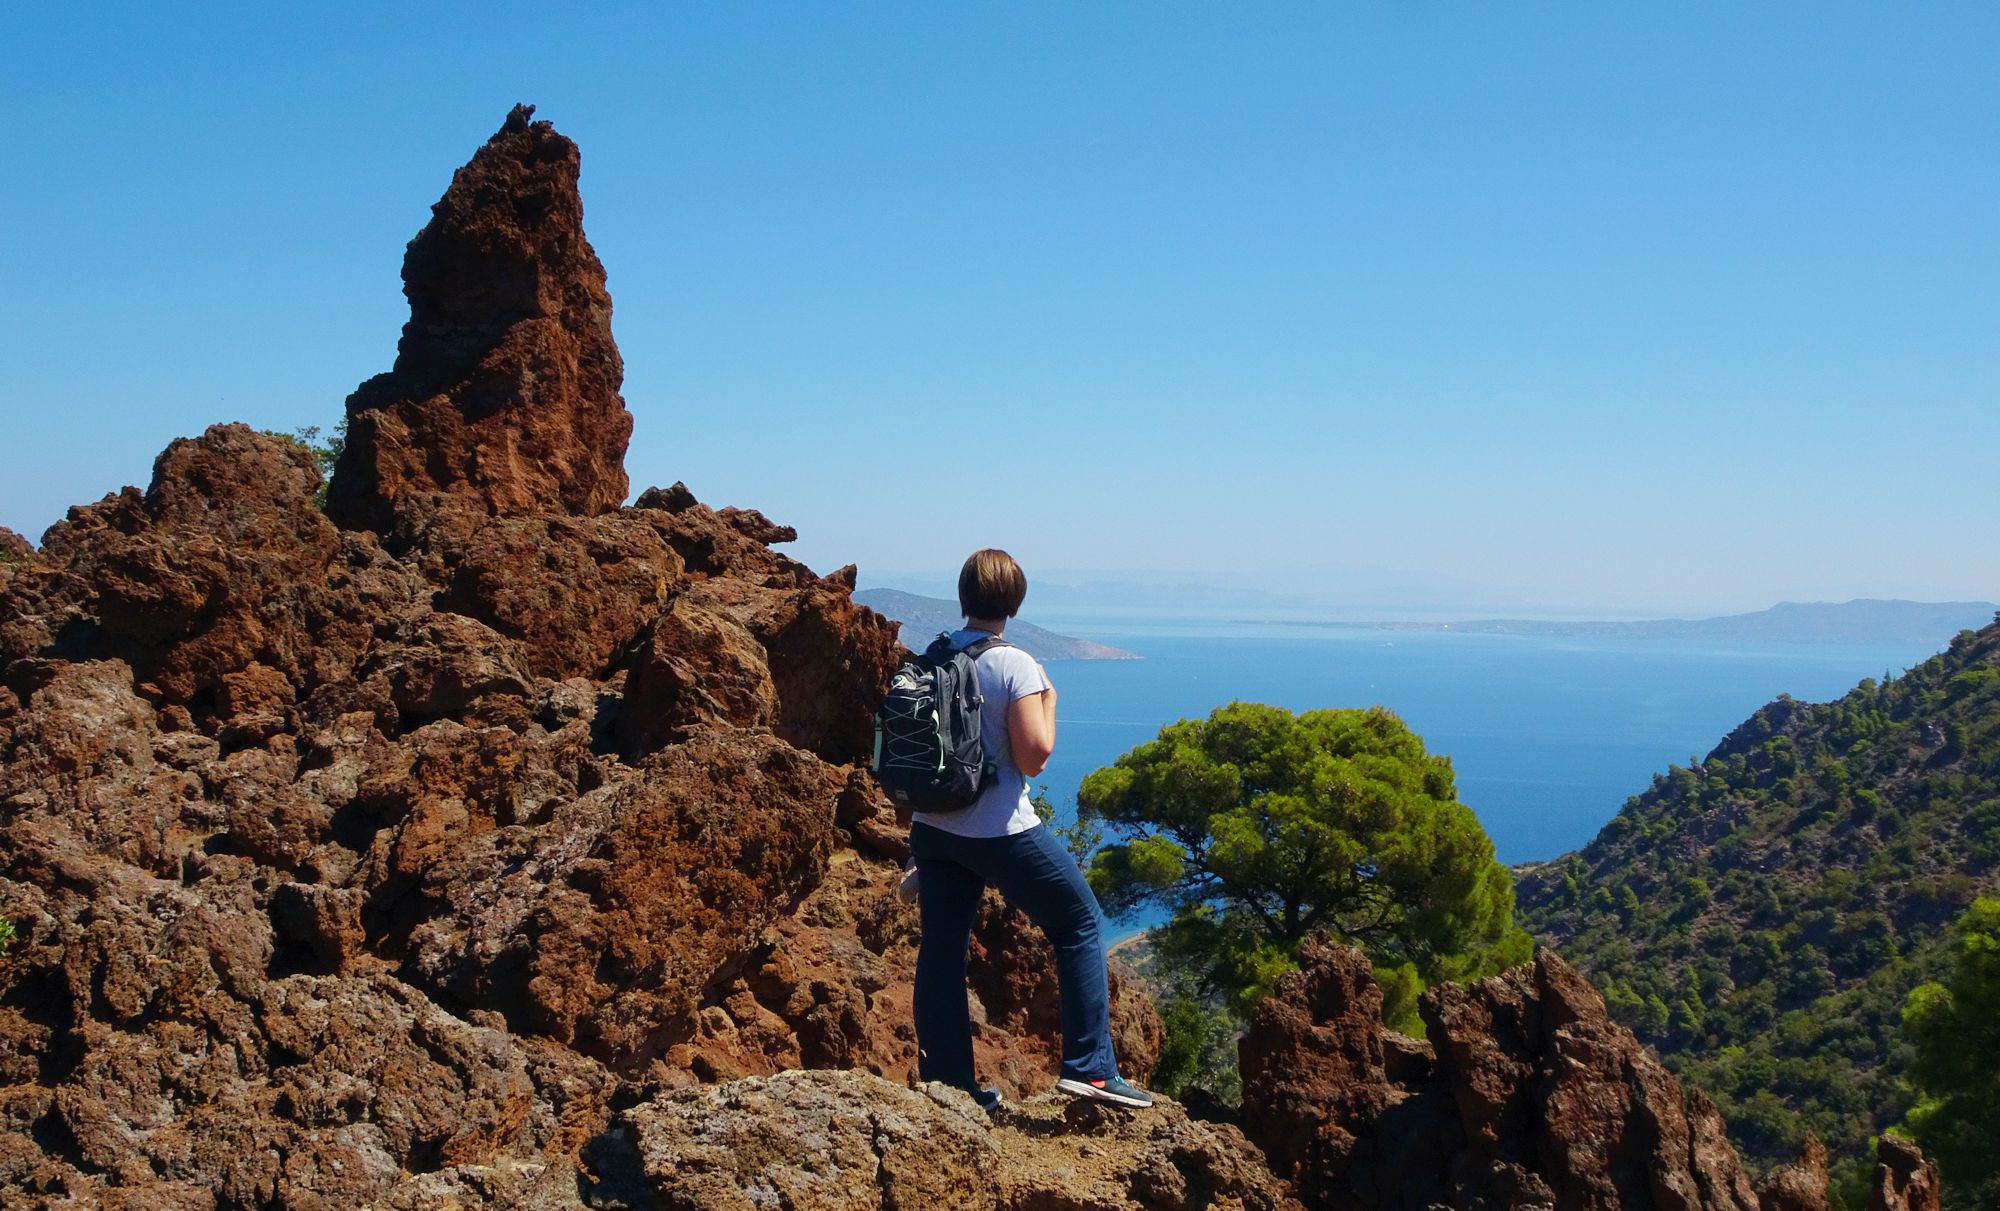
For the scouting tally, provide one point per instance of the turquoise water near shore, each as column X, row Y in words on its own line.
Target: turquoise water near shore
column 1548, row 736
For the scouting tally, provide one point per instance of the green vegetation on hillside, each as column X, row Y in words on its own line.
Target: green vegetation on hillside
column 1760, row 916
column 1257, row 827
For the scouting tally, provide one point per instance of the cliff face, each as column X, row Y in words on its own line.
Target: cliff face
column 405, row 837
column 483, row 841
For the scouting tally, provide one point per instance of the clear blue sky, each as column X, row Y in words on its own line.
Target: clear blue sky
column 1682, row 307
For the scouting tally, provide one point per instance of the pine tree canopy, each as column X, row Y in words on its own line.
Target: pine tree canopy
column 1257, row 827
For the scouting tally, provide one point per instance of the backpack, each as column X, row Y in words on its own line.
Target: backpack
column 928, row 754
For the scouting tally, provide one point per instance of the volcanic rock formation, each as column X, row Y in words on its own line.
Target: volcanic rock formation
column 1904, row 1181
column 504, row 397
column 1526, row 1094
column 399, row 841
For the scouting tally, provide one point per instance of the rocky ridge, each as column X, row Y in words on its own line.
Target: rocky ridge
column 482, row 840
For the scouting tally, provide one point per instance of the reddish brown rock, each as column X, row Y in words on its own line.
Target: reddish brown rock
column 217, row 584
column 828, row 988
column 349, row 874
column 831, row 988
column 1531, row 1097
column 1800, row 1185
column 574, row 592
column 694, row 668
column 433, row 665
column 159, row 1061
column 1316, row 1087
column 711, row 546
column 504, row 397
column 17, row 561
column 600, row 926
column 830, row 660
column 1011, row 969
column 1904, row 1180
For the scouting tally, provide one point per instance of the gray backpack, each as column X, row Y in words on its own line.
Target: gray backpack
column 928, row 752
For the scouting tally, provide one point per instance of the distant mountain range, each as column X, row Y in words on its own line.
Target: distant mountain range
column 924, row 617
column 1861, row 621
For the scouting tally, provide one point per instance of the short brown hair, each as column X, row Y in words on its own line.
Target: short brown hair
column 991, row 585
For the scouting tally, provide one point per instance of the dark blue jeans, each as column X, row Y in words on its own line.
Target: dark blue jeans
column 1040, row 878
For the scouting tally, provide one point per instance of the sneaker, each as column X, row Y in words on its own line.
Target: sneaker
column 988, row 1099
column 906, row 891
column 1117, row 1090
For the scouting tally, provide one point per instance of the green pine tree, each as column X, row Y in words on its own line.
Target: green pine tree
column 1258, row 827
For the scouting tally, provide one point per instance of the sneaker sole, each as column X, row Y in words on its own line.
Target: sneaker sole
column 1090, row 1092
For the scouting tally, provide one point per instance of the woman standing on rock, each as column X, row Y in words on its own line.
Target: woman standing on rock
column 999, row 840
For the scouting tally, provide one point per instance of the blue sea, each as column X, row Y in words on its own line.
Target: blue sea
column 1548, row 736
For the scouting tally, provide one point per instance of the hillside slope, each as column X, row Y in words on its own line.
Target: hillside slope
column 1760, row 917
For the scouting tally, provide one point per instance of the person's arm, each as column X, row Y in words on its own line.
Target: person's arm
column 1031, row 728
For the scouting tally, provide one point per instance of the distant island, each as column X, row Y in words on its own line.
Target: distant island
column 1865, row 620
column 924, row 617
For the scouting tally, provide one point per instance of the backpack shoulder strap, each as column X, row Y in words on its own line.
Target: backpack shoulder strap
column 977, row 648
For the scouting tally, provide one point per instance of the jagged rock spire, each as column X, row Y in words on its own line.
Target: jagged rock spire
column 504, row 396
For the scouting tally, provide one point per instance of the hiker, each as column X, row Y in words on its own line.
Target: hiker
column 999, row 840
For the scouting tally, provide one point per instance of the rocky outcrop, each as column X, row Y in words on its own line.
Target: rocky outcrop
column 1800, row 1185
column 14, row 549
column 1904, row 1180
column 1526, row 1095
column 846, row 1141
column 373, row 856
column 504, row 397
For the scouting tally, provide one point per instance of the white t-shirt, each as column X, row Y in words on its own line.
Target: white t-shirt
column 1006, row 674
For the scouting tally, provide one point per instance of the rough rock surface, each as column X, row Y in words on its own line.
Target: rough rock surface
column 1526, row 1095
column 1904, row 1180
column 1800, row 1185
column 372, row 856
column 847, row 1141
column 504, row 397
